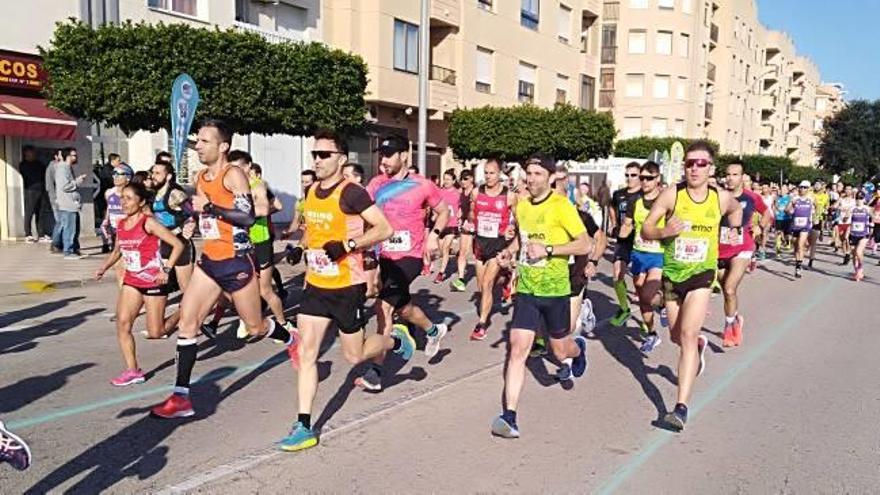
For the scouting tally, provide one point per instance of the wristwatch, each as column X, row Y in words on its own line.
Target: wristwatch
column 351, row 244
column 549, row 250
column 166, row 269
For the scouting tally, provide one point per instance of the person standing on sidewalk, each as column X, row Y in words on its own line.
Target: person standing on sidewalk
column 69, row 202
column 49, row 180
column 33, row 174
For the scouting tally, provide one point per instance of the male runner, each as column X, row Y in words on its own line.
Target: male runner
column 452, row 197
column 336, row 211
column 801, row 210
column 225, row 208
column 402, row 197
column 549, row 232
column 736, row 251
column 647, row 256
column 13, row 449
column 693, row 213
column 822, row 201
column 307, row 178
column 466, row 237
column 491, row 205
column 619, row 203
column 783, row 220
column 860, row 227
column 354, row 172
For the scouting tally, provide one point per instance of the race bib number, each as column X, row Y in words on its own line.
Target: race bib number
column 643, row 245
column 132, row 260
column 399, row 242
column 488, row 227
column 320, row 264
column 725, row 237
column 115, row 219
column 800, row 221
column 524, row 253
column 858, row 227
column 688, row 250
column 208, row 227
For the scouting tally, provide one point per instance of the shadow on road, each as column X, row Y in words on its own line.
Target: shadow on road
column 42, row 309
column 25, row 339
column 24, row 392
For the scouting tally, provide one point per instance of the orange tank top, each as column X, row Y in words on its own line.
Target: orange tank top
column 325, row 221
column 222, row 239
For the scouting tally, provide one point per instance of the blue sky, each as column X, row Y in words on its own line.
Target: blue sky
column 841, row 36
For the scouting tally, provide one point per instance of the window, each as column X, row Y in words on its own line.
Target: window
column 485, row 4
column 187, row 7
column 588, row 91
column 638, row 40
column 526, row 89
column 666, row 4
column 564, row 21
column 681, row 89
column 632, row 127
column 561, row 88
column 687, row 6
column 609, row 43
column 664, row 43
column 658, row 127
column 684, row 45
column 679, row 128
column 530, row 13
column 606, row 78
column 406, row 46
column 638, row 4
column 484, row 70
column 635, row 85
column 661, row 86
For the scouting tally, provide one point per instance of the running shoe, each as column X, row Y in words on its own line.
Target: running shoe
column 702, row 343
column 13, row 449
column 620, row 318
column 501, row 428
column 209, row 330
column 293, row 348
column 432, row 343
column 371, row 380
column 242, row 332
column 439, row 278
column 427, row 270
column 738, row 330
column 458, row 285
column 677, row 418
column 299, row 438
column 727, row 339
column 45, row 239
column 650, row 344
column 30, row 239
column 176, row 406
column 479, row 332
column 407, row 343
column 129, row 377
column 664, row 317
column 539, row 347
column 564, row 374
column 580, row 364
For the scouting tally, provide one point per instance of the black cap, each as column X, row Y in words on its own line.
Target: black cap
column 545, row 161
column 392, row 144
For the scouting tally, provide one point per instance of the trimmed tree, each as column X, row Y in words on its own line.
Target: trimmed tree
column 643, row 146
column 514, row 133
column 121, row 75
column 768, row 167
column 850, row 140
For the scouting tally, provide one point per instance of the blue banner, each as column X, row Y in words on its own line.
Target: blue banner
column 184, row 100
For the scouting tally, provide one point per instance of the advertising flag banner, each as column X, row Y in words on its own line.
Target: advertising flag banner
column 184, row 100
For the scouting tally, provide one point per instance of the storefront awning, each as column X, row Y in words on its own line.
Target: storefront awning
column 30, row 117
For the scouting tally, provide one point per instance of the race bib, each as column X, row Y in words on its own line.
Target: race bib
column 320, row 264
column 643, row 245
column 208, row 227
column 725, row 237
column 858, row 227
column 800, row 221
column 399, row 242
column 689, row 250
column 132, row 260
column 524, row 256
column 488, row 227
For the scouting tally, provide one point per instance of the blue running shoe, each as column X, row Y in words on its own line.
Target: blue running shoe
column 299, row 438
column 563, row 374
column 651, row 343
column 407, row 343
column 501, row 428
column 580, row 363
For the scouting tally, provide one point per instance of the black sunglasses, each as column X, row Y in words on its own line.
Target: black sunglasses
column 648, row 177
column 324, row 154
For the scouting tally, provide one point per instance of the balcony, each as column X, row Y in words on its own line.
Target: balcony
column 611, row 11
column 768, row 102
column 766, row 133
column 446, row 12
column 709, row 109
column 792, row 142
column 711, row 73
column 797, row 92
column 794, row 118
column 713, row 34
column 271, row 36
column 443, row 94
column 606, row 98
column 442, row 74
column 609, row 55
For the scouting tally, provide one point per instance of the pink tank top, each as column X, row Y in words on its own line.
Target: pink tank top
column 140, row 254
column 492, row 213
column 452, row 197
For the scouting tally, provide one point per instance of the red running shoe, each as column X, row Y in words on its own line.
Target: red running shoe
column 479, row 332
column 427, row 270
column 439, row 278
column 727, row 339
column 738, row 330
column 176, row 406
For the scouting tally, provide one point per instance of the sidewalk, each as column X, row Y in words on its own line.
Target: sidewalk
column 27, row 268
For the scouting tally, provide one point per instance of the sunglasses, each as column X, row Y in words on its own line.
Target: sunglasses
column 648, row 177
column 632, row 176
column 324, row 154
column 697, row 162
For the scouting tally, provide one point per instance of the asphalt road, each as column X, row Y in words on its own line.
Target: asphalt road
column 794, row 410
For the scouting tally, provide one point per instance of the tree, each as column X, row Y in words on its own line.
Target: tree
column 514, row 133
column 850, row 140
column 121, row 75
column 643, row 146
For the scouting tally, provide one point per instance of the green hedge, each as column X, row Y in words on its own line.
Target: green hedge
column 643, row 146
column 514, row 133
column 767, row 167
column 121, row 74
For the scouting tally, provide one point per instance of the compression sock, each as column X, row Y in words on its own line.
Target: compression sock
column 186, row 360
column 278, row 332
column 305, row 420
column 620, row 290
column 509, row 416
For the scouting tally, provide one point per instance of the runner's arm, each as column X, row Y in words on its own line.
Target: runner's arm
column 110, row 261
column 660, row 209
column 732, row 209
column 261, row 200
column 242, row 212
column 627, row 227
column 155, row 228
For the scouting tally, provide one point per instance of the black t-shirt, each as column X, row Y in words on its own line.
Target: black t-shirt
column 620, row 201
column 353, row 200
column 33, row 174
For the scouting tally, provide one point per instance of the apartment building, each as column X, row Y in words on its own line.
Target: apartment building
column 802, row 140
column 482, row 52
column 829, row 101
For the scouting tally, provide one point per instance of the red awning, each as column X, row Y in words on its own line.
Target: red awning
column 30, row 117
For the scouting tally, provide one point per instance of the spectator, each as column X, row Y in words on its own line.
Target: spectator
column 33, row 174
column 69, row 202
column 104, row 174
column 56, row 246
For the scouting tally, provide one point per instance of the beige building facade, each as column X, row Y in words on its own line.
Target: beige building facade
column 829, row 101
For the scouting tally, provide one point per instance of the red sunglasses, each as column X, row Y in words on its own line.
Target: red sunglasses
column 697, row 162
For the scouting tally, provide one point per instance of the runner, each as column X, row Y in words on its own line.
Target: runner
column 768, row 196
column 452, row 197
column 550, row 232
column 225, row 208
column 466, row 237
column 693, row 213
column 861, row 223
column 336, row 211
column 822, row 201
column 783, row 220
column 875, row 204
column 355, row 173
column 276, row 206
column 801, row 210
column 145, row 276
column 491, row 205
column 647, row 256
column 14, row 450
column 735, row 251
column 122, row 175
column 623, row 247
column 847, row 203
column 402, row 195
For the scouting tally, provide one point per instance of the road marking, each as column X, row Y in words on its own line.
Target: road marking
column 660, row 438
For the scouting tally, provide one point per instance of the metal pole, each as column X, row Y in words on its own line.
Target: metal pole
column 424, row 66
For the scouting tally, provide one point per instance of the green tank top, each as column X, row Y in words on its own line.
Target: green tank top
column 695, row 249
column 259, row 231
column 640, row 213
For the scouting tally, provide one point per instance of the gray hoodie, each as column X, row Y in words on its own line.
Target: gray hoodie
column 66, row 194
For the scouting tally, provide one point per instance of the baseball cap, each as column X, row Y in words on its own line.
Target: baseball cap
column 124, row 169
column 805, row 183
column 392, row 144
column 545, row 161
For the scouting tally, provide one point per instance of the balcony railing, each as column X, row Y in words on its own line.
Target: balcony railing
column 609, row 54
column 709, row 109
column 611, row 11
column 606, row 98
column 443, row 75
column 711, row 73
column 713, row 33
column 271, row 36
